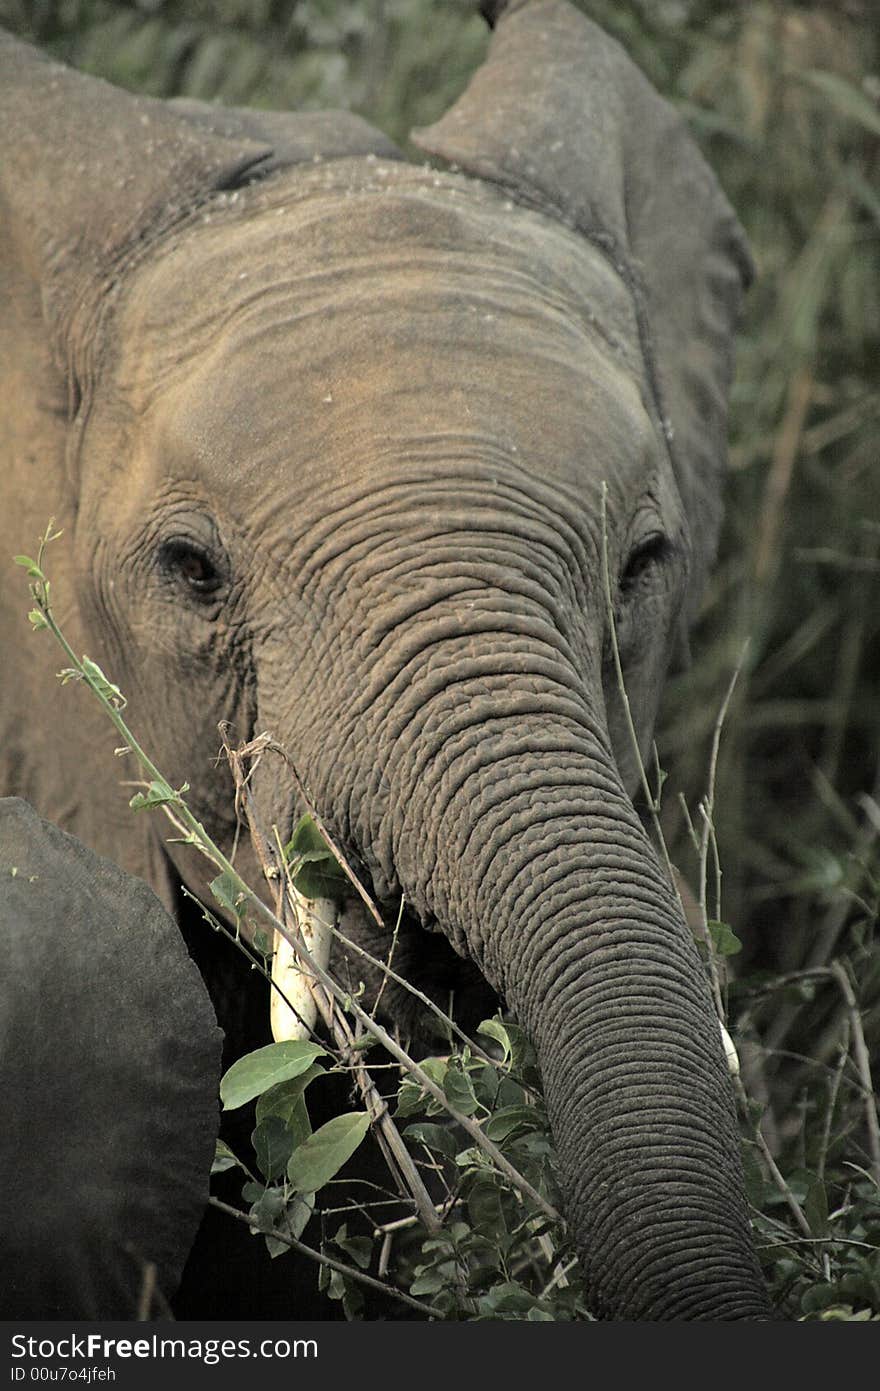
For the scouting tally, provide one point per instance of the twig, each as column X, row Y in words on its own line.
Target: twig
column 773, row 1169
column 348, row 1270
column 862, row 1061
column 388, row 973
column 426, row 1000
column 651, row 801
column 707, row 811
column 559, row 1277
column 833, row 1091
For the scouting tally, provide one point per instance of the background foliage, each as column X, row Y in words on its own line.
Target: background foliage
column 785, row 99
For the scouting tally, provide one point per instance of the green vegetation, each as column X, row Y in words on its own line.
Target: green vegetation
column 784, row 98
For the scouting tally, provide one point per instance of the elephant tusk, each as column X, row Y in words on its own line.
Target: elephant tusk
column 730, row 1052
column 292, row 1008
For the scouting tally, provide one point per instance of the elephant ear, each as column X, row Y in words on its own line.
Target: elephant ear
column 561, row 118
column 109, row 1070
column 302, row 137
column 90, row 174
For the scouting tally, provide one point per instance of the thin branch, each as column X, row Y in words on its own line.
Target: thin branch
column 425, row 1000
column 833, row 1091
column 350, row 1271
column 863, row 1064
column 773, row 1169
column 707, row 811
column 650, row 800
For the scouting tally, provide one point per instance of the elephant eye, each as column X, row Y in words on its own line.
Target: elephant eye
column 643, row 558
column 191, row 565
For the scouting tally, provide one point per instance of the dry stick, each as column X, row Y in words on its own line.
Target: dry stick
column 396, row 1154
column 348, row 1270
column 863, row 1064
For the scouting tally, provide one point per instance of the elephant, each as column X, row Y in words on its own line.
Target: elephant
column 105, row 994
column 382, row 457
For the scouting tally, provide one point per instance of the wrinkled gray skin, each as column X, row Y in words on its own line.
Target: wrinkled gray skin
column 100, row 983
column 327, row 433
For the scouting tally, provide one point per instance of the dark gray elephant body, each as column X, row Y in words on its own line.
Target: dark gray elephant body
column 342, row 434
column 109, row 1066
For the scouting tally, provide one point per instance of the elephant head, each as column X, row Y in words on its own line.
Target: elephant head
column 334, row 436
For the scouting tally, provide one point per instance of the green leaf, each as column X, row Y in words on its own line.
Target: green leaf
column 512, row 1120
column 432, row 1280
column 493, row 1028
column 436, row 1137
column 262, row 942
column 410, row 1099
column 359, row 1248
column 315, row 871
column 486, row 1210
column 268, row 1206
column 273, row 1145
column 37, row 620
column 306, row 839
column 227, row 892
column 323, row 879
column 322, row 1155
column 156, row 795
column 520, row 1052
column 288, row 1101
column 291, row 1221
column 99, row 681
column 507, row 1298
column 283, row 1099
column 459, row 1091
column 724, row 939
column 258, row 1071
column 33, row 569
column 223, row 1158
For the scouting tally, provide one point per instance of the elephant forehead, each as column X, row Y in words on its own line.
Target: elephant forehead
column 376, row 242
column 383, row 325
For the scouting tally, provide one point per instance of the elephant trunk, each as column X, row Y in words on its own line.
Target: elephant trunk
column 607, row 982
column 495, row 805
column 539, row 869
